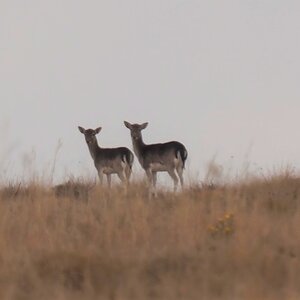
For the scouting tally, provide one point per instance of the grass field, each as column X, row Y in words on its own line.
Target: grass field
column 236, row 241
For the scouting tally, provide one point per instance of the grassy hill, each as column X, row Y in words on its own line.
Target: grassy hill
column 80, row 241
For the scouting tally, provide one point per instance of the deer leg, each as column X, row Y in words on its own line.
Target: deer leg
column 174, row 177
column 108, row 176
column 154, row 178
column 151, row 182
column 149, row 176
column 180, row 172
column 127, row 173
column 122, row 176
column 124, row 180
column 100, row 174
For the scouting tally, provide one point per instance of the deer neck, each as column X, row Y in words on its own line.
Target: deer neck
column 138, row 146
column 94, row 149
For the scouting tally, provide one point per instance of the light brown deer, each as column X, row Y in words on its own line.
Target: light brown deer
column 108, row 161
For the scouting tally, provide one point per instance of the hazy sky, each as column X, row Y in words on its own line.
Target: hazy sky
column 220, row 76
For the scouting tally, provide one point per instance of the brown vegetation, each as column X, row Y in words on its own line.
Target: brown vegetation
column 238, row 241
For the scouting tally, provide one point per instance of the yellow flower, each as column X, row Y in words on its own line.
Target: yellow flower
column 211, row 228
column 228, row 230
column 229, row 216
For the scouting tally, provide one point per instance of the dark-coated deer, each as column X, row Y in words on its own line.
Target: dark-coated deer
column 169, row 157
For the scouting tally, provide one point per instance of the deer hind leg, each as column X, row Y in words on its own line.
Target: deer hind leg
column 124, row 180
column 128, row 173
column 122, row 176
column 180, row 175
column 174, row 177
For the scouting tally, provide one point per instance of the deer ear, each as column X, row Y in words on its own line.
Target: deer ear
column 144, row 125
column 81, row 129
column 127, row 124
column 97, row 130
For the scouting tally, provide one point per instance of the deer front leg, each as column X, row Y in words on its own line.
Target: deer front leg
column 151, row 182
column 100, row 175
column 154, row 179
column 108, row 176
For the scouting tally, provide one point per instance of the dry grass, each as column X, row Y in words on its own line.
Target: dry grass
column 238, row 241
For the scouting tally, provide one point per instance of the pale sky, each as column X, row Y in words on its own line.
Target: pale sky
column 219, row 76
